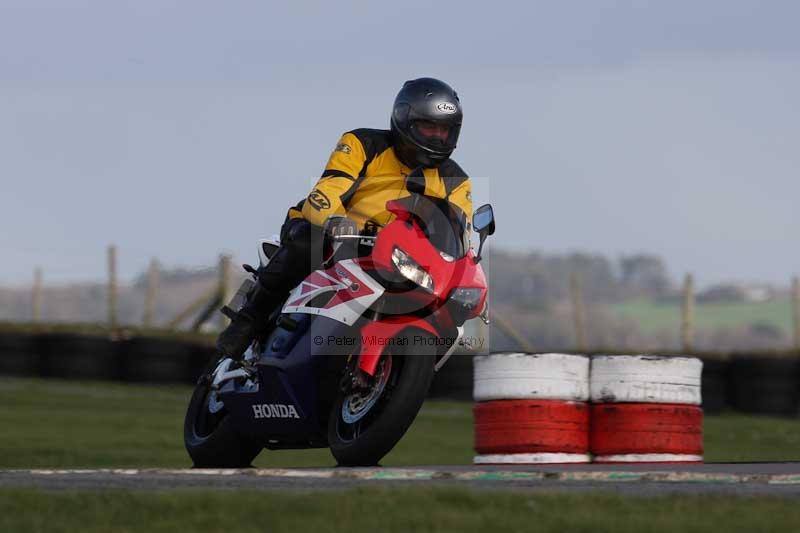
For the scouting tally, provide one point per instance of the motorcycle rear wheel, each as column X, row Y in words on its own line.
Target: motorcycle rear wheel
column 363, row 439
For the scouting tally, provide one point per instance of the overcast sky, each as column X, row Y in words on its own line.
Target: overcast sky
column 183, row 129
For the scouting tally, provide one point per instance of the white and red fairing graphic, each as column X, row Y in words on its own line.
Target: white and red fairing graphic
column 354, row 292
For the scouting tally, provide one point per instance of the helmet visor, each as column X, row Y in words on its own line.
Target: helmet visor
column 436, row 136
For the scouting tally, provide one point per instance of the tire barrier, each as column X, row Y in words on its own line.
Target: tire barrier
column 531, row 408
column 765, row 385
column 151, row 360
column 454, row 380
column 716, row 375
column 647, row 432
column 19, row 355
column 201, row 361
column 531, row 426
column 645, row 378
column 93, row 357
column 531, row 458
column 70, row 356
column 510, row 376
column 646, row 409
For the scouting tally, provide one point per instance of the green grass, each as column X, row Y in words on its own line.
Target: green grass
column 49, row 423
column 67, row 424
column 417, row 509
column 653, row 317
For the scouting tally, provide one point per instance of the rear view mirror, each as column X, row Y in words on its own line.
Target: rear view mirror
column 483, row 223
column 483, row 220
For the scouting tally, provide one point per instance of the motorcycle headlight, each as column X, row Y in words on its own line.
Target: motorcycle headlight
column 468, row 297
column 411, row 270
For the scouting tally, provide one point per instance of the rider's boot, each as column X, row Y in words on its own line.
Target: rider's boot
column 293, row 261
column 248, row 321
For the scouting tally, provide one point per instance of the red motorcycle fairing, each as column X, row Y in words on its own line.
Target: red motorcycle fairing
column 406, row 234
column 447, row 274
column 345, row 291
column 375, row 336
column 342, row 292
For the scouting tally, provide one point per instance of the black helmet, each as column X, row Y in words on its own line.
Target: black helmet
column 426, row 121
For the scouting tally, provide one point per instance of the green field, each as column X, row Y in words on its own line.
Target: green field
column 653, row 317
column 68, row 424
column 418, row 509
column 61, row 424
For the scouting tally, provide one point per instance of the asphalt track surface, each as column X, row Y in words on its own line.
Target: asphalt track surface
column 781, row 479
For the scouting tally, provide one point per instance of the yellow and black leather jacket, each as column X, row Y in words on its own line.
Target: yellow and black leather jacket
column 363, row 173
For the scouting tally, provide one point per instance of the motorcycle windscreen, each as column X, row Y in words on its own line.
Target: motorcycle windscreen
column 443, row 223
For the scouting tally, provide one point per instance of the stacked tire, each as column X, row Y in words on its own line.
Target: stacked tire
column 454, row 380
column 76, row 356
column 765, row 385
column 715, row 384
column 157, row 360
column 19, row 354
column 646, row 409
column 531, row 408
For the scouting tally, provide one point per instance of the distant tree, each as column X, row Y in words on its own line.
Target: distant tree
column 537, row 281
column 644, row 275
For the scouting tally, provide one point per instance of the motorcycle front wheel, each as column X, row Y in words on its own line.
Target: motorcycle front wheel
column 209, row 436
column 365, row 425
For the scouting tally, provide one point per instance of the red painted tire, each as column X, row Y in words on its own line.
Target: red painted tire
column 646, row 428
column 531, row 426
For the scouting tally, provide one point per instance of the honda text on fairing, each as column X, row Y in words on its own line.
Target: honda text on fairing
column 350, row 356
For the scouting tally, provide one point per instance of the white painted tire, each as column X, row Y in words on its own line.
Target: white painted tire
column 530, row 458
column 645, row 379
column 516, row 376
column 649, row 458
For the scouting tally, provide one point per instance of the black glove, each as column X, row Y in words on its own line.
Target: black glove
column 337, row 226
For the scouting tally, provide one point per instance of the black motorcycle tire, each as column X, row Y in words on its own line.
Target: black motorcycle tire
column 223, row 447
column 397, row 413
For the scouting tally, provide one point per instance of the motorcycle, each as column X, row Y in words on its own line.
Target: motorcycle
column 350, row 356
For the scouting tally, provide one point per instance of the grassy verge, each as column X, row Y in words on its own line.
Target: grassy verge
column 49, row 423
column 653, row 316
column 388, row 510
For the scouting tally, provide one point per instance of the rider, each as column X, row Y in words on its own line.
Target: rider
column 367, row 168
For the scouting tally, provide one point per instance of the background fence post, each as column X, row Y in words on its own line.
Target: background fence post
column 796, row 311
column 112, row 286
column 36, row 297
column 151, row 294
column 211, row 295
column 687, row 318
column 511, row 332
column 578, row 311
